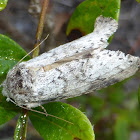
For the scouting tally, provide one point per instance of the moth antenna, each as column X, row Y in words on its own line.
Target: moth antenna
column 44, row 113
column 33, row 49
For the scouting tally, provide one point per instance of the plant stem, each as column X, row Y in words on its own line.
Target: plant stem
column 40, row 27
column 21, row 127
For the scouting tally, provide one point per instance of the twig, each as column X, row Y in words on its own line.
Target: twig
column 21, row 127
column 40, row 27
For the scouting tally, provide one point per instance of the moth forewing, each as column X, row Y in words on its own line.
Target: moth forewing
column 104, row 28
column 70, row 70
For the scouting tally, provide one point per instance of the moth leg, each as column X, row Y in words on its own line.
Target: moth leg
column 44, row 110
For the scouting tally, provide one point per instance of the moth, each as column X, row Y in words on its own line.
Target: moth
column 70, row 70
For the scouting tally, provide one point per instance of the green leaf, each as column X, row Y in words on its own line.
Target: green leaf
column 78, row 126
column 7, row 110
column 10, row 54
column 3, row 4
column 84, row 16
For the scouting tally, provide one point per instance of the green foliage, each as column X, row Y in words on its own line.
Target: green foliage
column 84, row 16
column 7, row 110
column 3, row 4
column 138, row 1
column 10, row 54
column 78, row 126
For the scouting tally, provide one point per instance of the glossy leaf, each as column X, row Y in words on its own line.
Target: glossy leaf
column 10, row 54
column 84, row 16
column 7, row 110
column 78, row 126
column 3, row 4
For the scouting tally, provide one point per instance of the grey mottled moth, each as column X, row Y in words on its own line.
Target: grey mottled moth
column 72, row 69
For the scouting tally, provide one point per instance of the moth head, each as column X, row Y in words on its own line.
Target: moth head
column 17, row 84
